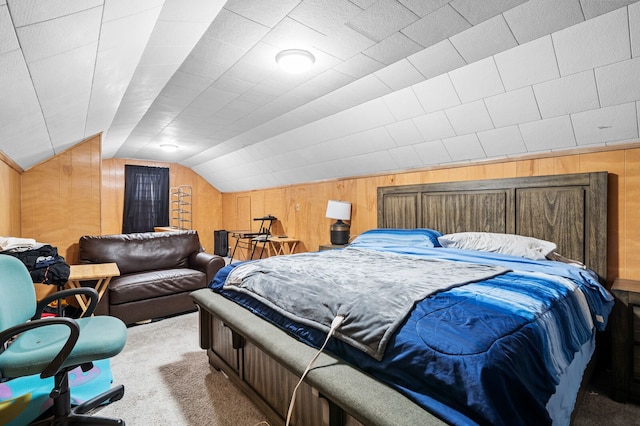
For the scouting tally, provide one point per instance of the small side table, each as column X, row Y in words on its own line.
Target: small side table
column 282, row 245
column 332, row 246
column 100, row 272
column 625, row 334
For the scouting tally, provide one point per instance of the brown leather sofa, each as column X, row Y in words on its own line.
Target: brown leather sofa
column 158, row 271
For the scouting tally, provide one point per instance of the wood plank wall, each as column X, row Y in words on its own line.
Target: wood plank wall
column 301, row 208
column 10, row 189
column 207, row 201
column 59, row 199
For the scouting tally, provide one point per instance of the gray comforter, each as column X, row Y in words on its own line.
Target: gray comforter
column 374, row 291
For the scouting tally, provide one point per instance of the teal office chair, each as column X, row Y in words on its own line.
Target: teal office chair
column 54, row 346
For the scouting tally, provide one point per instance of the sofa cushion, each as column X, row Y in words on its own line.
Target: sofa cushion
column 152, row 284
column 144, row 251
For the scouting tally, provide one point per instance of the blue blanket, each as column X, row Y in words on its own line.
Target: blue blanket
column 491, row 352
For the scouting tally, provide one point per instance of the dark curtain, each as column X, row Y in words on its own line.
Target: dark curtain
column 146, row 198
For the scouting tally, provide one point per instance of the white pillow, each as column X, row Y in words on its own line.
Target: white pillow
column 515, row 245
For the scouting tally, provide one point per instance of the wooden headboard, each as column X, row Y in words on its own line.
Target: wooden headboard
column 570, row 210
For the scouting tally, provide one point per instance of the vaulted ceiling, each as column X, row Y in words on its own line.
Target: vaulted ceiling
column 396, row 85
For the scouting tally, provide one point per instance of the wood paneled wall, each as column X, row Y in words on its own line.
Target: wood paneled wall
column 301, row 208
column 76, row 193
column 10, row 189
column 61, row 198
column 207, row 201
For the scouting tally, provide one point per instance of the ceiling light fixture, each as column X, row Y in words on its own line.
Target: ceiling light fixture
column 169, row 147
column 295, row 61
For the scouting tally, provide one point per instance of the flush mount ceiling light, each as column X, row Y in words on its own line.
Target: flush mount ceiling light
column 169, row 147
column 295, row 61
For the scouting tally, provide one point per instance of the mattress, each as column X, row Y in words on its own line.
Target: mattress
column 510, row 349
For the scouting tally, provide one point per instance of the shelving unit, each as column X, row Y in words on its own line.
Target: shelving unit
column 181, row 202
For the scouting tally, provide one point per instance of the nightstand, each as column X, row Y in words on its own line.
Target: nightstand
column 625, row 332
column 332, row 246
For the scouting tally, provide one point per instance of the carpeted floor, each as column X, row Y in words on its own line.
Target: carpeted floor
column 168, row 381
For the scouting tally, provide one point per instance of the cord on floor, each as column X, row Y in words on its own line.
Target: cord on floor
column 337, row 322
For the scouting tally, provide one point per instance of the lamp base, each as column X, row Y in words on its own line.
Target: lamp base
column 340, row 233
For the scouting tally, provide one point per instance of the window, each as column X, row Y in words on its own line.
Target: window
column 146, row 198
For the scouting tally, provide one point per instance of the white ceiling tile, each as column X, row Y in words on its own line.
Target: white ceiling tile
column 399, row 75
column 462, row 148
column 593, row 8
column 60, row 35
column 606, row 124
column 191, row 10
column 266, row 13
column 619, row 83
column 432, row 153
column 393, row 48
column 528, row 64
column 503, row 141
column 476, row 81
column 537, row 18
column 437, row 59
column 325, row 15
column 382, row 19
column 634, row 28
column 8, row 39
column 403, row 104
column 64, row 74
column 214, row 50
column 373, row 162
column 18, row 96
column 289, row 34
column 26, row 12
column 566, row 95
column 404, row 133
column 116, row 9
column 372, row 140
column 236, row 30
column 344, row 43
column 515, row 107
column 434, row 126
column 170, row 33
column 436, row 93
column 484, row 40
column 405, row 157
column 423, row 7
column 548, row 134
column 599, row 41
column 358, row 66
column 436, row 26
column 478, row 11
column 469, row 118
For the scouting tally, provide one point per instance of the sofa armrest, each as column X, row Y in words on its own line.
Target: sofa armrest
column 210, row 264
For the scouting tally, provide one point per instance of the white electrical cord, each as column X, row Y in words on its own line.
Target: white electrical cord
column 337, row 322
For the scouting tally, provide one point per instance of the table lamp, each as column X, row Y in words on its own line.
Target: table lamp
column 339, row 210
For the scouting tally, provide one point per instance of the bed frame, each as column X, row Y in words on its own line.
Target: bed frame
column 265, row 362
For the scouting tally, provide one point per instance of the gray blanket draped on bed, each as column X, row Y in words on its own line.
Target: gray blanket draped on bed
column 374, row 291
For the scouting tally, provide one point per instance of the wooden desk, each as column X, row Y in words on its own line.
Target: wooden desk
column 282, row 245
column 100, row 272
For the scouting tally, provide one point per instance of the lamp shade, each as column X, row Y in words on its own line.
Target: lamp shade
column 338, row 210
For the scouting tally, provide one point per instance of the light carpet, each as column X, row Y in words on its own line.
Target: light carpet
column 168, row 381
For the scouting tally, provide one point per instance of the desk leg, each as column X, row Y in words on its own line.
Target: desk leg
column 101, row 286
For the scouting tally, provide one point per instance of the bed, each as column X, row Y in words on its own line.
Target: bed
column 483, row 346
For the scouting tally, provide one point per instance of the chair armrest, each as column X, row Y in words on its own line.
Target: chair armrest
column 91, row 293
column 59, row 359
column 210, row 264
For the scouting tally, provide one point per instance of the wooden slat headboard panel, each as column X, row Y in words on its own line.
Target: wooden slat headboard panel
column 570, row 210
